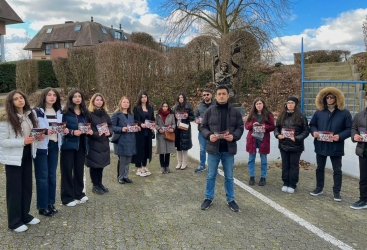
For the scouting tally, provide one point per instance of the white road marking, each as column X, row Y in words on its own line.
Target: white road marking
column 327, row 237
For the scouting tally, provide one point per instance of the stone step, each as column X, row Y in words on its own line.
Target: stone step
column 316, row 65
column 329, row 69
column 329, row 78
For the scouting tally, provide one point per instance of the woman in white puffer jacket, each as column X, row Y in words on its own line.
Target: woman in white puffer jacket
column 16, row 154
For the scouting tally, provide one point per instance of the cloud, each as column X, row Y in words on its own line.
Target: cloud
column 343, row 33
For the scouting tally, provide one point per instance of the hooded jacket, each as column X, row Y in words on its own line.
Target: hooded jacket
column 339, row 122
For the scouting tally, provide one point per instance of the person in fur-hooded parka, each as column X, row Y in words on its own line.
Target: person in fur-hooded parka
column 331, row 116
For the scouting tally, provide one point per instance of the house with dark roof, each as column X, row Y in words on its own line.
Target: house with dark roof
column 53, row 41
column 7, row 17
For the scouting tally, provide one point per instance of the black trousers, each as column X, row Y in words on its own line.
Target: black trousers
column 96, row 175
column 336, row 162
column 19, row 190
column 363, row 178
column 290, row 168
column 164, row 160
column 72, row 172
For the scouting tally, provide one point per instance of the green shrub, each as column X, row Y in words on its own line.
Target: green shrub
column 7, row 77
column 46, row 75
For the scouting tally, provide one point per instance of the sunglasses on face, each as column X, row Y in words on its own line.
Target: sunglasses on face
column 330, row 97
column 206, row 94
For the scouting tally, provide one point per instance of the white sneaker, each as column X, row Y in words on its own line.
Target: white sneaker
column 34, row 221
column 290, row 190
column 143, row 174
column 138, row 172
column 71, row 204
column 284, row 189
column 147, row 172
column 84, row 199
column 20, row 229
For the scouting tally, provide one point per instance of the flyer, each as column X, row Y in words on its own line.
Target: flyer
column 325, row 136
column 288, row 132
column 37, row 132
column 84, row 127
column 102, row 128
column 58, row 127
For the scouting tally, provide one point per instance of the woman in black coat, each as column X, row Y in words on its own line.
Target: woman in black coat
column 99, row 145
column 143, row 112
column 184, row 114
column 291, row 130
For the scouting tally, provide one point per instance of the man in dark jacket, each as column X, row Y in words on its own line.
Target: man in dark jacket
column 331, row 116
column 203, row 105
column 359, row 127
column 222, row 126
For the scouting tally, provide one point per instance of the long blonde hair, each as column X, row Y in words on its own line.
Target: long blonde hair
column 92, row 107
column 119, row 108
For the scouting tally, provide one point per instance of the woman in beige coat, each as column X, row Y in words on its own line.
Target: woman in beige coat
column 165, row 121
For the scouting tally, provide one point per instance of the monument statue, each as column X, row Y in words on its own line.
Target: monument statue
column 223, row 77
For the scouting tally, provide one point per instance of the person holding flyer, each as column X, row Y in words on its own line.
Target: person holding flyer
column 330, row 126
column 16, row 150
column 291, row 130
column 143, row 115
column 125, row 147
column 73, row 150
column 165, row 123
column 99, row 145
column 48, row 112
column 260, row 123
column 184, row 114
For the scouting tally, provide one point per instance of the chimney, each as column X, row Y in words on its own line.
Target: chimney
column 120, row 26
column 91, row 19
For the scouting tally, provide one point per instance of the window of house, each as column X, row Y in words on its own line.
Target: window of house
column 49, row 31
column 104, row 31
column 48, row 48
column 78, row 27
column 56, row 45
column 118, row 35
column 66, row 45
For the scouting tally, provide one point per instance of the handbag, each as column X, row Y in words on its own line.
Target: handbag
column 115, row 137
column 169, row 136
column 182, row 126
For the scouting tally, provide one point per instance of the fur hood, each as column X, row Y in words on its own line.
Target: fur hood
column 321, row 102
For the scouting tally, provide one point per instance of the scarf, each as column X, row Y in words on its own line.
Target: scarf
column 164, row 115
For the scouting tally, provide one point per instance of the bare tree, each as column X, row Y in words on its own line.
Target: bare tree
column 365, row 32
column 264, row 19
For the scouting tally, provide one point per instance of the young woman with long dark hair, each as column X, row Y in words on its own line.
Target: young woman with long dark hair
column 165, row 122
column 73, row 150
column 261, row 119
column 47, row 111
column 143, row 111
column 183, row 140
column 16, row 150
column 99, row 145
column 291, row 129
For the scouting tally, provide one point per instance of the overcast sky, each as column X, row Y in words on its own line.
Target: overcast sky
column 324, row 24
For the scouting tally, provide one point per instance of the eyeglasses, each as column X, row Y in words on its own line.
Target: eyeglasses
column 330, row 97
column 206, row 94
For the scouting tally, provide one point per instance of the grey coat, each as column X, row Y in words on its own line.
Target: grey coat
column 359, row 123
column 164, row 146
column 126, row 145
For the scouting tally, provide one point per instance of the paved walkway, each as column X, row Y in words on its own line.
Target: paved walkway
column 163, row 212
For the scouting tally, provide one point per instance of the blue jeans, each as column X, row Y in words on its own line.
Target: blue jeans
column 251, row 164
column 45, row 171
column 202, row 143
column 213, row 162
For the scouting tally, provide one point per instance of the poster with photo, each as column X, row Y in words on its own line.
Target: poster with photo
column 363, row 133
column 37, row 132
column 221, row 134
column 165, row 128
column 102, row 128
column 288, row 132
column 84, row 127
column 181, row 115
column 325, row 136
column 150, row 124
column 132, row 128
column 258, row 129
column 58, row 127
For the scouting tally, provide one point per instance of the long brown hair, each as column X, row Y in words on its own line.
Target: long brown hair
column 12, row 112
column 119, row 105
column 264, row 112
column 42, row 100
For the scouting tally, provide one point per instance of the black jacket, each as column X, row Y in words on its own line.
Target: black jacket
column 359, row 123
column 99, row 146
column 212, row 123
column 300, row 133
column 183, row 137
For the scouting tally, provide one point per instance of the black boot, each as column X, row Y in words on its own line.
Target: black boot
column 262, row 182
column 252, row 181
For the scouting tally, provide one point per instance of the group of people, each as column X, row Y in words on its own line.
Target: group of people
column 81, row 135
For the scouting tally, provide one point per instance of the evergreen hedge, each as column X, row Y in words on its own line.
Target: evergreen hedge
column 7, row 76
